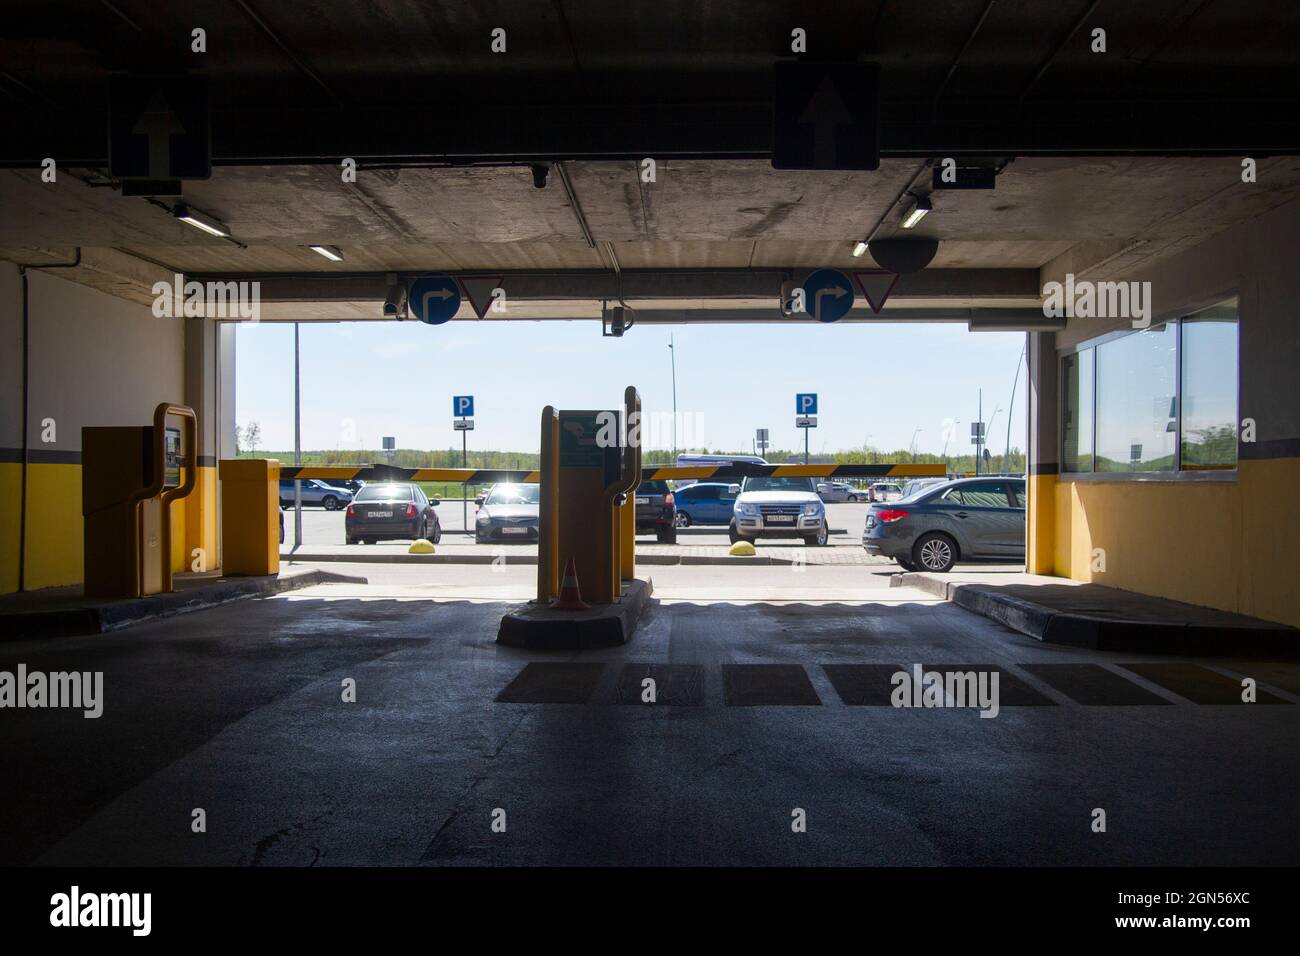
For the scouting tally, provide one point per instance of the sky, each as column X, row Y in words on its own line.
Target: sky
column 876, row 383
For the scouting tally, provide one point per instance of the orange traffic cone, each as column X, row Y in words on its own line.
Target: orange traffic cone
column 570, row 598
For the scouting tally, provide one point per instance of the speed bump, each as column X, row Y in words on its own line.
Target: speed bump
column 420, row 546
column 742, row 549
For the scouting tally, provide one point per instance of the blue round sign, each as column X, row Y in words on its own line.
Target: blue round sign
column 433, row 299
column 827, row 295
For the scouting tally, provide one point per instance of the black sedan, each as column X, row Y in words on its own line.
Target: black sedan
column 391, row 511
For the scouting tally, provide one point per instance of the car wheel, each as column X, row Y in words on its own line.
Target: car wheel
column 330, row 503
column 683, row 520
column 934, row 552
column 666, row 537
column 348, row 540
column 437, row 532
column 735, row 535
column 820, row 539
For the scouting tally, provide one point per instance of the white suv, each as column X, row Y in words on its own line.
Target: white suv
column 777, row 507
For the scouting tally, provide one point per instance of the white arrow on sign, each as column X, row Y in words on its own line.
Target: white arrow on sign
column 836, row 291
column 160, row 124
column 825, row 112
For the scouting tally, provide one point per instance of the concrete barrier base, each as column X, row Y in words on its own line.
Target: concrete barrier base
column 538, row 627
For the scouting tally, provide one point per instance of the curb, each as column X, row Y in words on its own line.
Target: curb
column 115, row 615
column 1250, row 638
column 608, row 625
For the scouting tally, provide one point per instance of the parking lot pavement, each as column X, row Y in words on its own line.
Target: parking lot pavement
column 766, row 710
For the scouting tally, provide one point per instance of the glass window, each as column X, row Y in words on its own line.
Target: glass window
column 513, row 495
column 1137, row 412
column 1017, row 489
column 386, row 492
column 1076, row 418
column 982, row 494
column 706, row 493
column 779, row 484
column 1209, row 388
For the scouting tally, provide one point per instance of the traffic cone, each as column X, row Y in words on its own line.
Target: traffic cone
column 570, row 598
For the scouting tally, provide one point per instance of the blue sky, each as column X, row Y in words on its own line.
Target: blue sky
column 876, row 382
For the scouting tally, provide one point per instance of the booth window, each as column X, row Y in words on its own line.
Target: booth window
column 1152, row 402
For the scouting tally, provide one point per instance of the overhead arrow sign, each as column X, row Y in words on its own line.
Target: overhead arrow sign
column 158, row 128
column 826, row 116
column 158, row 123
column 829, row 293
column 825, row 113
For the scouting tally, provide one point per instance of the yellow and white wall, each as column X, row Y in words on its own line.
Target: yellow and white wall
column 1232, row 544
column 93, row 359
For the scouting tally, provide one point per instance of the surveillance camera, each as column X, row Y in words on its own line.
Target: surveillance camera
column 540, row 172
column 620, row 319
column 395, row 303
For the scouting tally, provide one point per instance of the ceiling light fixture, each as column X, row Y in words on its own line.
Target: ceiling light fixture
column 859, row 249
column 332, row 253
column 201, row 220
column 920, row 206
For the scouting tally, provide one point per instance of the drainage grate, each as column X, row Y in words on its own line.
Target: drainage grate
column 862, row 685
column 675, row 685
column 1198, row 684
column 551, row 683
column 767, row 685
column 1093, row 685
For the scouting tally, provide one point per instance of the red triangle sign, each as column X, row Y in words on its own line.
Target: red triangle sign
column 876, row 284
column 479, row 289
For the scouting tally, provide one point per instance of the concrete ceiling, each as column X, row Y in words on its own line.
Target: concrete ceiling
column 444, row 130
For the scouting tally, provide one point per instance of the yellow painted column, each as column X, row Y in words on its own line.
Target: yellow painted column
column 1041, row 518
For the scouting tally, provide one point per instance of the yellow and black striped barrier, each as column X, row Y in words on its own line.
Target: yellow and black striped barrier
column 484, row 476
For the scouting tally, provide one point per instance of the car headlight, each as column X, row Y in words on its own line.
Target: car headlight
column 811, row 508
column 746, row 509
column 483, row 518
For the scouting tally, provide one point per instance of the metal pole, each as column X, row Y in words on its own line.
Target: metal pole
column 1006, row 455
column 673, row 352
column 297, row 441
column 805, row 445
column 464, row 494
column 979, row 432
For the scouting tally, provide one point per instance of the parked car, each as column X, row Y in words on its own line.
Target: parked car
column 656, row 511
column 835, row 491
column 507, row 513
column 315, row 492
column 884, row 491
column 282, row 524
column 773, row 507
column 705, row 502
column 391, row 510
column 970, row 519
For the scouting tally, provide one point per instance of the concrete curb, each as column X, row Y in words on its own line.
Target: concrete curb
column 1249, row 638
column 107, row 616
column 607, row 625
column 663, row 560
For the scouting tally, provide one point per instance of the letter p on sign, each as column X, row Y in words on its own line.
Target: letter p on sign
column 463, row 406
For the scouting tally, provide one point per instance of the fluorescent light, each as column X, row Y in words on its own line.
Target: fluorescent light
column 920, row 206
column 200, row 220
column 859, row 249
column 332, row 253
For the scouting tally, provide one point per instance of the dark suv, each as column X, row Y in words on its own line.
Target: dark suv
column 656, row 511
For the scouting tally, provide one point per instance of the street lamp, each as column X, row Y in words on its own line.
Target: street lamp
column 911, row 448
column 946, row 438
column 673, row 352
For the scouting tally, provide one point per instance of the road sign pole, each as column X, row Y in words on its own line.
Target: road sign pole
column 805, row 445
column 464, row 494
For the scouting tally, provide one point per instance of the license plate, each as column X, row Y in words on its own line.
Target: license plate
column 380, row 514
column 779, row 519
column 643, row 501
column 514, row 530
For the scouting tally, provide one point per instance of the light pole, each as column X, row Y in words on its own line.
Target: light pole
column 1006, row 454
column 911, row 447
column 673, row 352
column 947, row 436
column 988, row 430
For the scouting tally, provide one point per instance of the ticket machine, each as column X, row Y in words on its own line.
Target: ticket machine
column 130, row 475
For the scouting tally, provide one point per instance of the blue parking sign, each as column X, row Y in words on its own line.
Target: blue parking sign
column 462, row 406
column 805, row 403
